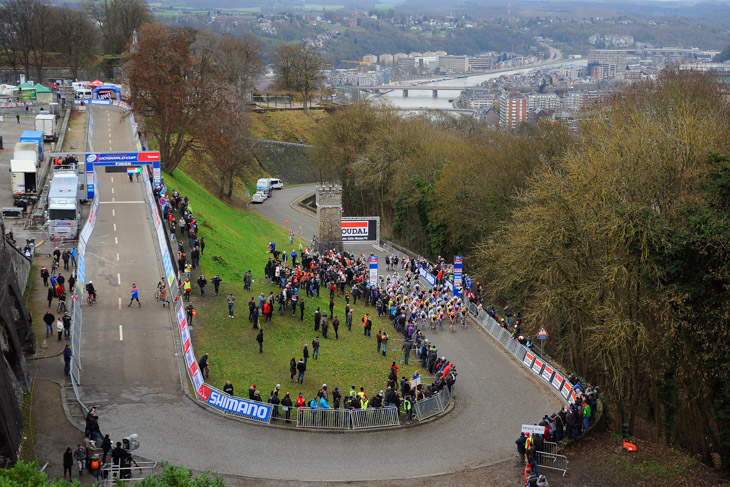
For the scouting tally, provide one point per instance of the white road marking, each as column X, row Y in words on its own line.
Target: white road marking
column 120, row 303
column 121, row 335
column 112, row 179
column 116, row 242
column 112, row 190
column 121, row 202
column 118, row 260
column 115, row 227
column 119, row 280
column 114, row 212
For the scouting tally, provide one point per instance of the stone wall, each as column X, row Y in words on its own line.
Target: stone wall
column 8, row 76
column 16, row 338
column 289, row 162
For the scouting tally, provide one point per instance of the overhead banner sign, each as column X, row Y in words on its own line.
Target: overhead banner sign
column 366, row 229
column 122, row 159
column 374, row 270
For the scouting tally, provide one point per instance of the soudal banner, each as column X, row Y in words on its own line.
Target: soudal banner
column 249, row 409
column 361, row 229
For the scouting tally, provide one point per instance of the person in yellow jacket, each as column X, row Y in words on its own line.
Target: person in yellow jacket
column 187, row 288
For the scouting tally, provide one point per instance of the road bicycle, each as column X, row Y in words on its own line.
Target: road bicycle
column 61, row 308
column 92, row 299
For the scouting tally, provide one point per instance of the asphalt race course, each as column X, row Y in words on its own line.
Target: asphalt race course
column 130, row 369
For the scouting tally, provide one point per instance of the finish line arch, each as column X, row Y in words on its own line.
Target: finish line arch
column 120, row 159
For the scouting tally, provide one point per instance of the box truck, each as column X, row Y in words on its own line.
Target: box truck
column 63, row 210
column 46, row 123
column 36, row 137
column 23, row 176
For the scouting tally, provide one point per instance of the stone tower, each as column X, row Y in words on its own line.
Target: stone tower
column 329, row 217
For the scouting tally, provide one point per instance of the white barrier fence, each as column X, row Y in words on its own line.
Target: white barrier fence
column 433, row 405
column 552, row 461
column 345, row 419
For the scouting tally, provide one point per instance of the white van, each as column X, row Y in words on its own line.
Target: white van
column 276, row 184
column 264, row 185
column 83, row 94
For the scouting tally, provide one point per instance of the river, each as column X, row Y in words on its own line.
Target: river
column 424, row 100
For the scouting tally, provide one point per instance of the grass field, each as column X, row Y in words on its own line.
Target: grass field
column 236, row 241
column 290, row 126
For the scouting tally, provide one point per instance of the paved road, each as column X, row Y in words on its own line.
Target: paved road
column 136, row 380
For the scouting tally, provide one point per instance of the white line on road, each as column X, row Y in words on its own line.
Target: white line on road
column 121, row 335
column 120, row 303
column 115, row 227
column 118, row 260
column 119, row 280
column 116, row 242
column 120, row 202
column 112, row 179
column 112, row 190
column 114, row 212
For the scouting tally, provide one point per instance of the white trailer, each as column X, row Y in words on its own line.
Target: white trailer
column 46, row 123
column 23, row 174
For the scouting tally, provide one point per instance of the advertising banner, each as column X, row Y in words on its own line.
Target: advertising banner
column 243, row 407
column 537, row 366
column 529, row 358
column 364, row 229
column 547, row 373
column 567, row 388
column 427, row 276
column 557, row 380
column 458, row 274
column 374, row 270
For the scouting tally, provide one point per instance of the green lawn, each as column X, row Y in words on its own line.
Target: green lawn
column 236, row 241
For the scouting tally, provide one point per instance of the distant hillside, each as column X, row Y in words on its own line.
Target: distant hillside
column 291, row 126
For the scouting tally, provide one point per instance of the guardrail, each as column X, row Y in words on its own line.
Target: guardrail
column 374, row 418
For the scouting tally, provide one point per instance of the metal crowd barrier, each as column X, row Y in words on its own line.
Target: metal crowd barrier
column 374, row 418
column 323, row 418
column 552, row 461
column 112, row 474
column 433, row 405
column 550, row 447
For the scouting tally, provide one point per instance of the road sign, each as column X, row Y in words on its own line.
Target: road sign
column 163, row 201
column 542, row 334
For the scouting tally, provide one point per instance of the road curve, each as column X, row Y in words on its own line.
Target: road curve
column 136, row 381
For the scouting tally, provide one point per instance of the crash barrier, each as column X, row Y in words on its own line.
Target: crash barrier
column 552, row 461
column 113, row 474
column 550, row 447
column 433, row 405
column 323, row 418
column 540, row 367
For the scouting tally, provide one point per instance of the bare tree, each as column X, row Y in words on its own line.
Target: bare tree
column 299, row 69
column 118, row 19
column 76, row 36
column 176, row 90
column 240, row 59
column 20, row 19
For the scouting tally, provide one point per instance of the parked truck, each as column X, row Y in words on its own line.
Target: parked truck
column 24, row 172
column 46, row 123
column 23, row 179
column 34, row 136
column 63, row 206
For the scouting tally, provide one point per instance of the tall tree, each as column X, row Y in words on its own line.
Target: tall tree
column 76, row 35
column 299, row 68
column 173, row 89
column 225, row 138
column 118, row 19
column 19, row 21
column 240, row 59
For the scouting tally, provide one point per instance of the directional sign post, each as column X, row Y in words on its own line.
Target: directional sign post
column 542, row 335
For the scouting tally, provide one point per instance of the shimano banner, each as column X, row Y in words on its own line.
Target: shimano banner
column 365, row 229
column 249, row 409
